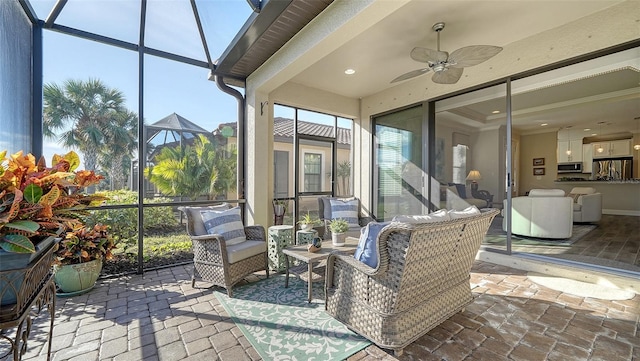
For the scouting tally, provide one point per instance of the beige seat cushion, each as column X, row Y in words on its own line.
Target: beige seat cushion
column 244, row 250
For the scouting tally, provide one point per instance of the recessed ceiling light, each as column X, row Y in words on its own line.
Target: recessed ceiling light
column 594, row 133
column 587, row 129
column 349, row 71
column 544, row 124
column 495, row 112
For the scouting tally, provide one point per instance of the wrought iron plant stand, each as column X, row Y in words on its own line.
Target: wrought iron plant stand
column 34, row 287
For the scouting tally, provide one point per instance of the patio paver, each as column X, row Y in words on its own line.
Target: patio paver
column 159, row 316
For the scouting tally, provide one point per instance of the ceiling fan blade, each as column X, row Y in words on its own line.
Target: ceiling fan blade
column 425, row 55
column 411, row 74
column 448, row 76
column 472, row 55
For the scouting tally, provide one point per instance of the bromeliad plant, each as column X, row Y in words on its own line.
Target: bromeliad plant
column 338, row 225
column 85, row 244
column 38, row 201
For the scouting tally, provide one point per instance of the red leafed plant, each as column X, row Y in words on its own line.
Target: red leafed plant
column 36, row 200
column 85, row 244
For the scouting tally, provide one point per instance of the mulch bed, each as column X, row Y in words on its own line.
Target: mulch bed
column 126, row 264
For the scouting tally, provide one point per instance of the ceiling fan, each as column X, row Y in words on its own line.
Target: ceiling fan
column 447, row 68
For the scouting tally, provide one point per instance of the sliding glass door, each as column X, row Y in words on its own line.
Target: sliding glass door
column 472, row 155
column 399, row 164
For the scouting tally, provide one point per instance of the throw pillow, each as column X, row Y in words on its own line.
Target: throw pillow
column 194, row 213
column 467, row 212
column 461, row 189
column 367, row 251
column 326, row 207
column 574, row 196
column 454, row 192
column 347, row 210
column 437, row 216
column 227, row 223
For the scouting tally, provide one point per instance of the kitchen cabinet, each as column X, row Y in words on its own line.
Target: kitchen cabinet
column 575, row 146
column 612, row 149
column 587, row 158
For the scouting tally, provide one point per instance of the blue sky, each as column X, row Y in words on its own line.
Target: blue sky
column 168, row 86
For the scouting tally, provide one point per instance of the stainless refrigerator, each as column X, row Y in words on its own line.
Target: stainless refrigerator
column 612, row 169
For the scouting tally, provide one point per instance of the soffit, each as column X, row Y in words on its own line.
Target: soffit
column 264, row 34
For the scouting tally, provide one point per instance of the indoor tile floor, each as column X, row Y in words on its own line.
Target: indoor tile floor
column 159, row 316
column 614, row 242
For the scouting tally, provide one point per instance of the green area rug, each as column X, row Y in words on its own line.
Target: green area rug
column 281, row 325
column 496, row 236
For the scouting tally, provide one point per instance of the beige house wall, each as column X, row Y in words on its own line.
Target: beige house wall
column 341, row 22
column 541, row 145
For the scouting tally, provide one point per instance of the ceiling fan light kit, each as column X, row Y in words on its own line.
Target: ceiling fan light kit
column 447, row 68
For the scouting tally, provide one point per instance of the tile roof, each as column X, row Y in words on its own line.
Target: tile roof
column 283, row 127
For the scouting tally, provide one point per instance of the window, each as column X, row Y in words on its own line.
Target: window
column 459, row 163
column 312, row 172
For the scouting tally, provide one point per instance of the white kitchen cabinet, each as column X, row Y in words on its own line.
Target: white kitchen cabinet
column 587, row 158
column 575, row 146
column 620, row 148
column 611, row 149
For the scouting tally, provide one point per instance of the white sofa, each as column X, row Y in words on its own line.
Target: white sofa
column 544, row 213
column 587, row 204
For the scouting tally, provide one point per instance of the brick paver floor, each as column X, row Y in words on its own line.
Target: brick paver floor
column 159, row 316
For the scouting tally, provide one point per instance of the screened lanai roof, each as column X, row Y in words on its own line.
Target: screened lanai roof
column 188, row 31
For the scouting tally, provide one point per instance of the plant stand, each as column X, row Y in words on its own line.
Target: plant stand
column 279, row 237
column 37, row 289
column 306, row 237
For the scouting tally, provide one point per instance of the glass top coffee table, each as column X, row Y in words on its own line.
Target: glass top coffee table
column 301, row 253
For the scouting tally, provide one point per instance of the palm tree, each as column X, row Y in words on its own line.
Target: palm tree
column 83, row 112
column 185, row 170
column 120, row 143
column 344, row 173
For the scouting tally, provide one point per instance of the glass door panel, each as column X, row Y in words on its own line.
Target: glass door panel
column 398, row 164
column 471, row 154
column 315, row 173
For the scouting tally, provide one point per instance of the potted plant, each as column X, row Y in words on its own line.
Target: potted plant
column 338, row 229
column 307, row 222
column 79, row 258
column 37, row 204
column 279, row 210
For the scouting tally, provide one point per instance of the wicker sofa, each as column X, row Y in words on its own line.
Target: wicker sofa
column 421, row 280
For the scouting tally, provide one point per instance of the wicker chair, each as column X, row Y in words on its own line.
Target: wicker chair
column 324, row 213
column 211, row 255
column 422, row 279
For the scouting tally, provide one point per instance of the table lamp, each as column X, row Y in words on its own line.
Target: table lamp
column 474, row 176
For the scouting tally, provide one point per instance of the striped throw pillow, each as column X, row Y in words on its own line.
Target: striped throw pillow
column 347, row 210
column 227, row 223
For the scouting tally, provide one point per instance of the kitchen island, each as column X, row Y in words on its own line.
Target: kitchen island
column 618, row 197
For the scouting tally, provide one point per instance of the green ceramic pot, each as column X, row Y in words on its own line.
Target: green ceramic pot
column 78, row 278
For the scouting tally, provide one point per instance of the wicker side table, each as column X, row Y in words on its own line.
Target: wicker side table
column 279, row 237
column 306, row 237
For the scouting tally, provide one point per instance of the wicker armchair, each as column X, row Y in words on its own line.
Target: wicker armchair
column 324, row 213
column 222, row 265
column 422, row 279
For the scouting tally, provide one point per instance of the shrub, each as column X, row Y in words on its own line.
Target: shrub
column 123, row 223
